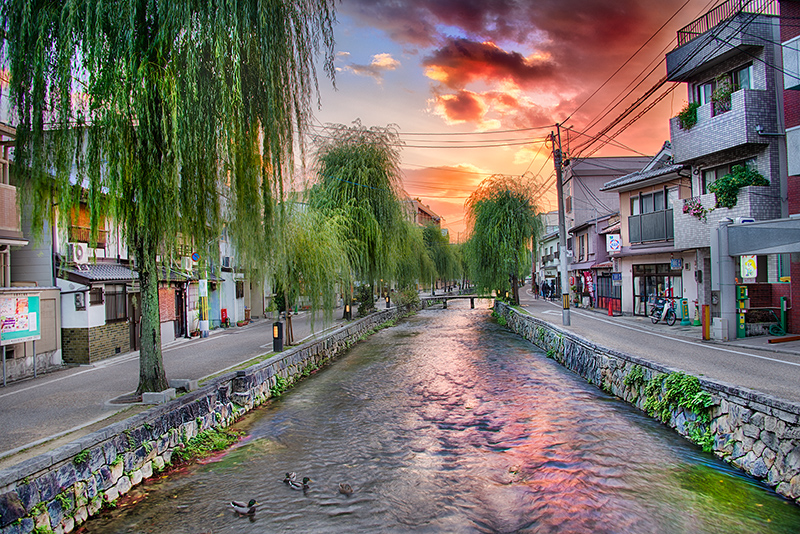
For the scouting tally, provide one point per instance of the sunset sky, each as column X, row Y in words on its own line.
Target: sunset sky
column 492, row 77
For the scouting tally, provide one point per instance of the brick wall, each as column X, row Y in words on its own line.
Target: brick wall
column 166, row 304
column 108, row 340
column 75, row 345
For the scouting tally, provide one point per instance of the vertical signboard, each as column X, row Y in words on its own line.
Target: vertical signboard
column 19, row 318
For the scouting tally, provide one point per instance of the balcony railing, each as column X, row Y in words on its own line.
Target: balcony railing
column 9, row 214
column 82, row 234
column 653, row 226
column 723, row 12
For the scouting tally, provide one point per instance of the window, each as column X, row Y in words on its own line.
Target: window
column 649, row 202
column 743, row 78
column 95, row 296
column 704, row 92
column 239, row 290
column 582, row 247
column 116, row 308
column 635, row 205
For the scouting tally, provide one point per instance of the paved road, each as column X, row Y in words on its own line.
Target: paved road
column 751, row 362
column 73, row 401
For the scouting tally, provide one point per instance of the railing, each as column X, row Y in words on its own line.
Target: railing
column 9, row 215
column 723, row 12
column 653, row 226
column 81, row 234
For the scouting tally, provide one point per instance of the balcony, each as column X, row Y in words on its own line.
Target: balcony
column 82, row 234
column 761, row 203
column 731, row 29
column 649, row 227
column 717, row 132
column 10, row 227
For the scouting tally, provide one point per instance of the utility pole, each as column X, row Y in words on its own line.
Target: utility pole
column 562, row 230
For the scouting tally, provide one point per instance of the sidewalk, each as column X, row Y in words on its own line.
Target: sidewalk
column 752, row 363
column 40, row 414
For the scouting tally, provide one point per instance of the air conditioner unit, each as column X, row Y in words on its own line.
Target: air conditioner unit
column 78, row 253
column 186, row 263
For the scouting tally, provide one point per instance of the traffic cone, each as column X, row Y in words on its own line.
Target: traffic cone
column 610, row 311
column 696, row 321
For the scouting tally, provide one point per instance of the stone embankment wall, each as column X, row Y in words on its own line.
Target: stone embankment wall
column 60, row 489
column 756, row 433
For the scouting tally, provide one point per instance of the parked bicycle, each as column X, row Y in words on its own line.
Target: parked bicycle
column 662, row 310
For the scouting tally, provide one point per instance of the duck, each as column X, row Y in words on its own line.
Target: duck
column 345, row 489
column 295, row 485
column 290, row 477
column 244, row 509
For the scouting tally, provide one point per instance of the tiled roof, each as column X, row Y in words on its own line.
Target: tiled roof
column 636, row 177
column 102, row 272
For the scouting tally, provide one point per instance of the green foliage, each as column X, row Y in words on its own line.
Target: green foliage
column 281, row 385
column 38, row 508
column 443, row 256
column 721, row 97
column 206, row 443
column 501, row 320
column 726, row 189
column 635, row 376
column 41, row 529
column 407, row 297
column 365, row 300
column 112, row 92
column 358, row 180
column 687, row 117
column 667, row 393
column 501, row 215
column 82, row 457
column 65, row 499
column 118, row 460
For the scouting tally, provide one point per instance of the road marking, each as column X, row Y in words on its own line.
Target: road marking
column 552, row 312
column 731, row 351
column 102, row 365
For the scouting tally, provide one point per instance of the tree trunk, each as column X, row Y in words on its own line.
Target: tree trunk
column 515, row 288
column 152, row 376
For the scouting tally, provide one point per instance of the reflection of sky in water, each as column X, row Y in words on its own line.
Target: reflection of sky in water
column 448, row 423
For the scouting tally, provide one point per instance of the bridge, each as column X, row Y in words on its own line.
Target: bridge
column 442, row 299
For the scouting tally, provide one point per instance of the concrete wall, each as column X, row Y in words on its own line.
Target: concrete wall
column 756, row 433
column 55, row 490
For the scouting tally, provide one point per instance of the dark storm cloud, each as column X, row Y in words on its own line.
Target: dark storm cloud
column 461, row 61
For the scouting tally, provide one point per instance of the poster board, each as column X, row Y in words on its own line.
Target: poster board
column 19, row 318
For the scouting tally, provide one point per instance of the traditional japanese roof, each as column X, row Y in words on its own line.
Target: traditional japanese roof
column 661, row 165
column 98, row 272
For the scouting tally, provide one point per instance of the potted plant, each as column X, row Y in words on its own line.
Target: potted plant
column 721, row 97
column 687, row 118
column 726, row 189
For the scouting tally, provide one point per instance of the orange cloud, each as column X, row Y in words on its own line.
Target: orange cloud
column 380, row 63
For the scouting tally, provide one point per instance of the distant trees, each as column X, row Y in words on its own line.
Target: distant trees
column 501, row 219
column 178, row 117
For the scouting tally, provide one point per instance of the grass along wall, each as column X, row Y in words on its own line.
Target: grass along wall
column 755, row 432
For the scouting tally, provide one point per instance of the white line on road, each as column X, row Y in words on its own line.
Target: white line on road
column 731, row 351
column 101, row 365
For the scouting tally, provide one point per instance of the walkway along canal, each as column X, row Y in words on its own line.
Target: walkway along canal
column 448, row 422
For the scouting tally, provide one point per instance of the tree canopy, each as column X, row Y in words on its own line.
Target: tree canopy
column 358, row 178
column 502, row 220
column 175, row 118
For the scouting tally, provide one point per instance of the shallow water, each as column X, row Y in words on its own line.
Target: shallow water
column 449, row 423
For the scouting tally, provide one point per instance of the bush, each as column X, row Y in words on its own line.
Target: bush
column 407, row 297
column 687, row 118
column 365, row 300
column 726, row 189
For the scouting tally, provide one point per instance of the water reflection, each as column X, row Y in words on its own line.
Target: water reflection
column 448, row 423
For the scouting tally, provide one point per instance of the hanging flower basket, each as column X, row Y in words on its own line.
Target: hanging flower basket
column 693, row 207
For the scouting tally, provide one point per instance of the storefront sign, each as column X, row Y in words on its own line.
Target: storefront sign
column 19, row 318
column 616, row 279
column 676, row 264
column 613, row 243
column 749, row 266
column 588, row 280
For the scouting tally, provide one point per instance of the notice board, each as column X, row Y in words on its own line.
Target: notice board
column 19, row 318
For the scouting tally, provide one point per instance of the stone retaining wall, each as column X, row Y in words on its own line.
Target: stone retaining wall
column 60, row 489
column 755, row 432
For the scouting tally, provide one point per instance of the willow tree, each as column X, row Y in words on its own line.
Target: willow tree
column 501, row 219
column 442, row 254
column 358, row 177
column 175, row 117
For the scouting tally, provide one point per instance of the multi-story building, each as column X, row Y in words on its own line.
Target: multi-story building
column 730, row 61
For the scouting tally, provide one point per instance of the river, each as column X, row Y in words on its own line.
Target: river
column 447, row 422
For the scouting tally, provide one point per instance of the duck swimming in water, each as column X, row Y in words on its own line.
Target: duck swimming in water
column 244, row 509
column 295, row 485
column 290, row 477
column 345, row 489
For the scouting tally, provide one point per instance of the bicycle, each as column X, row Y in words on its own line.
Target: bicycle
column 663, row 310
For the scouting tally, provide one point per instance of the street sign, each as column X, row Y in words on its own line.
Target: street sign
column 613, row 243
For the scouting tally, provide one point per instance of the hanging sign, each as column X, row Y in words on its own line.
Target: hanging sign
column 19, row 318
column 202, row 288
column 749, row 267
column 613, row 243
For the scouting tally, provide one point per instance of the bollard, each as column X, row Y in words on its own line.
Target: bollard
column 277, row 336
column 472, row 303
column 387, row 302
column 706, row 320
column 348, row 314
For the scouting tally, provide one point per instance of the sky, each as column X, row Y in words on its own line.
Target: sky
column 475, row 87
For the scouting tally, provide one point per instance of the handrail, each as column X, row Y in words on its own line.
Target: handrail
column 722, row 13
